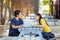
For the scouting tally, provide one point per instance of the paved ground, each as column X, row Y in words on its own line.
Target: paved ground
column 55, row 30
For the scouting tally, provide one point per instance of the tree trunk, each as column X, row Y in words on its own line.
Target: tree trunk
column 36, row 6
column 6, row 7
column 2, row 13
column 10, row 10
column 51, row 6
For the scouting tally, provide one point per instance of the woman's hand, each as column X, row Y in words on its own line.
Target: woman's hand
column 34, row 24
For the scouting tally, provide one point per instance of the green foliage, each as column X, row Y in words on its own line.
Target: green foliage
column 46, row 2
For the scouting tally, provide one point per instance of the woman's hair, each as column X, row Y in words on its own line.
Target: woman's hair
column 40, row 17
column 16, row 13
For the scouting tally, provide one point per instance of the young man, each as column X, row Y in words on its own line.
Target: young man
column 16, row 23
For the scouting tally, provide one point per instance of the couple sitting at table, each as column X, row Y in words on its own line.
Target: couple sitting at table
column 17, row 22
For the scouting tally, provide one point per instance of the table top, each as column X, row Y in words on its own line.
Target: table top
column 48, row 16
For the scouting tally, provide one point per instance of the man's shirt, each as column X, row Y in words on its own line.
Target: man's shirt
column 12, row 31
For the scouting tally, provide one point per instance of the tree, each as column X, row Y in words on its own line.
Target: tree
column 2, row 12
column 4, row 5
column 46, row 2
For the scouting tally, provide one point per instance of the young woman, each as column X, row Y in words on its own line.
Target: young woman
column 46, row 32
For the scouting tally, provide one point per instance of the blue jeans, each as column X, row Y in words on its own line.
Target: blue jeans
column 48, row 35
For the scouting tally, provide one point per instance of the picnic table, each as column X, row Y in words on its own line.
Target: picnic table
column 30, row 30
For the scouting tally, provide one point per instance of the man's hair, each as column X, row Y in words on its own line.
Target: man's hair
column 16, row 13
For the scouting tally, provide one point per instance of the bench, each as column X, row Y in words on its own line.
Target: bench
column 30, row 31
column 50, row 19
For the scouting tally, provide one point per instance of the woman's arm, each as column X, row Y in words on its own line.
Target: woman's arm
column 38, row 25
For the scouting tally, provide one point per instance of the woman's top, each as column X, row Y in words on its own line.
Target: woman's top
column 46, row 27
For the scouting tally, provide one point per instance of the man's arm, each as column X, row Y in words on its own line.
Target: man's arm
column 21, row 26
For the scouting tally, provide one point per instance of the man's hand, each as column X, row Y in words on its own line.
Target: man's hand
column 21, row 26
